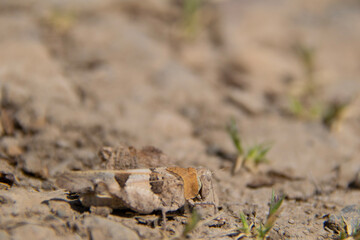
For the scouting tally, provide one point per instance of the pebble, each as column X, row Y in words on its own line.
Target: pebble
column 100, row 227
column 61, row 209
column 30, row 231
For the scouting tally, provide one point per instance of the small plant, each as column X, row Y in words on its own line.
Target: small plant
column 191, row 223
column 191, row 15
column 263, row 229
column 305, row 104
column 330, row 114
column 296, row 107
column 60, row 21
column 301, row 108
column 346, row 232
column 245, row 231
column 307, row 58
column 250, row 158
column 257, row 154
column 274, row 212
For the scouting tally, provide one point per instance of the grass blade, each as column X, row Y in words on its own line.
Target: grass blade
column 234, row 134
column 191, row 223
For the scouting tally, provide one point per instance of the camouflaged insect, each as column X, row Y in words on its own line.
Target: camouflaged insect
column 122, row 186
column 142, row 190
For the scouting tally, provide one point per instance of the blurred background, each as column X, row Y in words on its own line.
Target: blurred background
column 79, row 75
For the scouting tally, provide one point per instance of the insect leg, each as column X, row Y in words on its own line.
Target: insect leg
column 163, row 213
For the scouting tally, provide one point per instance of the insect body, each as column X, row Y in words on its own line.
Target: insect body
column 142, row 190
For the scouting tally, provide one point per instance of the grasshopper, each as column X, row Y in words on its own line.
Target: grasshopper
column 142, row 190
column 122, row 186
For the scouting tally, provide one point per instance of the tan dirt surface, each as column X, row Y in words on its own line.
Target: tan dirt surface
column 76, row 76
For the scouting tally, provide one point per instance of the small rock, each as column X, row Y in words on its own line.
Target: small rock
column 61, row 143
column 86, row 156
column 299, row 190
column 30, row 231
column 5, row 200
column 15, row 94
column 61, row 209
column 47, row 186
column 33, row 164
column 11, row 146
column 308, row 211
column 102, row 228
column 14, row 150
column 31, row 119
column 329, row 206
column 291, row 221
column 25, row 202
column 249, row 102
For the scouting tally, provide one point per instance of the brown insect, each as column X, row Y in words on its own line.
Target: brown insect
column 142, row 190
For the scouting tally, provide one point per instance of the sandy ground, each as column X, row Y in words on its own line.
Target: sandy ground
column 79, row 75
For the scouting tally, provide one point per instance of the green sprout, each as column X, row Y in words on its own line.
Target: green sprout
column 343, row 235
column 296, row 107
column 234, row 134
column 60, row 21
column 191, row 16
column 252, row 157
column 305, row 104
column 306, row 56
column 346, row 232
column 275, row 204
column 246, row 229
column 191, row 223
column 331, row 114
column 263, row 229
column 257, row 153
